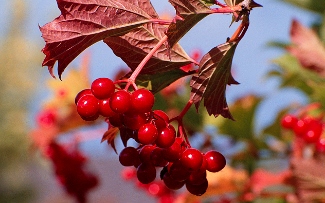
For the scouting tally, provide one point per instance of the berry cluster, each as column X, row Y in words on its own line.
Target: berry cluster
column 309, row 129
column 158, row 146
column 69, row 171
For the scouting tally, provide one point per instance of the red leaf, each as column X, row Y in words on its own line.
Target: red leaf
column 110, row 135
column 213, row 76
column 84, row 22
column 190, row 12
column 307, row 48
column 135, row 45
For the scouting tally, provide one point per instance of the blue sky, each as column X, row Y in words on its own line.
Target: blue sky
column 252, row 58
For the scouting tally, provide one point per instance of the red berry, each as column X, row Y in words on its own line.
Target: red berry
column 166, row 137
column 215, row 161
column 147, row 134
column 146, row 173
column 197, row 190
column 313, row 132
column 134, row 121
column 145, row 153
column 157, row 158
column 178, row 172
column 301, row 127
column 88, row 106
column 120, row 101
column 288, row 121
column 128, row 156
column 171, row 183
column 116, row 120
column 102, row 88
column 191, row 159
column 142, row 100
column 160, row 119
column 320, row 145
column 105, row 108
column 82, row 93
column 174, row 152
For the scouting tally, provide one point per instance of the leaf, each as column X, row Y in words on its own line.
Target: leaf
column 135, row 45
column 85, row 22
column 110, row 135
column 158, row 82
column 213, row 76
column 307, row 48
column 191, row 12
column 244, row 110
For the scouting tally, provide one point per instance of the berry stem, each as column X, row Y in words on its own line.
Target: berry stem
column 137, row 71
column 241, row 30
column 181, row 131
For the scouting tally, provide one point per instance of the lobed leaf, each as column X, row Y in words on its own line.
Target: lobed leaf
column 191, row 12
column 135, row 45
column 110, row 135
column 85, row 22
column 213, row 76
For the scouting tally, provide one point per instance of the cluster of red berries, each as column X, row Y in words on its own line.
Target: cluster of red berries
column 158, row 146
column 70, row 172
column 309, row 129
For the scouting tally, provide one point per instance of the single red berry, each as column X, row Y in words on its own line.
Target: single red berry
column 102, row 88
column 145, row 153
column 116, row 120
column 87, row 106
column 147, row 134
column 146, row 173
column 120, row 101
column 105, row 108
column 178, row 172
column 174, row 152
column 142, row 100
column 160, row 119
column 191, row 159
column 82, row 93
column 171, row 183
column 166, row 137
column 157, row 158
column 320, row 145
column 289, row 121
column 301, row 127
column 215, row 161
column 128, row 156
column 197, row 190
column 313, row 132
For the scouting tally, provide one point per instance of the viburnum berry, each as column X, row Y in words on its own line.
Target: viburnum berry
column 178, row 172
column 215, row 161
column 134, row 120
column 160, row 119
column 197, row 190
column 105, row 108
column 174, row 152
column 289, row 121
column 314, row 131
column 88, row 106
column 145, row 153
column 166, row 137
column 142, row 101
column 171, row 183
column 146, row 173
column 147, row 133
column 128, row 156
column 191, row 159
column 82, row 93
column 157, row 158
column 102, row 88
column 301, row 126
column 120, row 101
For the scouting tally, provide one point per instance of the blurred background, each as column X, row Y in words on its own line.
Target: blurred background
column 26, row 177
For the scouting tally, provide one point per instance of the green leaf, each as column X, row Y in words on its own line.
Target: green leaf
column 159, row 81
column 317, row 6
column 244, row 111
column 211, row 81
